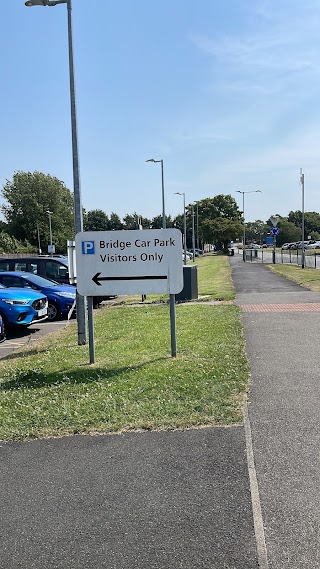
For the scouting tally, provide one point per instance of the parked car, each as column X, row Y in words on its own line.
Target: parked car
column 285, row 246
column 55, row 268
column 313, row 245
column 52, row 268
column 2, row 332
column 22, row 307
column 61, row 297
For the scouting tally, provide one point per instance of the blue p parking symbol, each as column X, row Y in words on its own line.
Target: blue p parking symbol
column 88, row 247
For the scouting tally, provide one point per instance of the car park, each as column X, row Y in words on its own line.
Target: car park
column 20, row 308
column 61, row 297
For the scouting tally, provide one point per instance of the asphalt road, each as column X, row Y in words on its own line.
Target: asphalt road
column 20, row 337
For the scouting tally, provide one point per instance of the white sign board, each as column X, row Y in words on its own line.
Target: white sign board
column 274, row 220
column 129, row 262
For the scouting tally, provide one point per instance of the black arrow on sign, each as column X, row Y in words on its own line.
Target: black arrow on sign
column 97, row 279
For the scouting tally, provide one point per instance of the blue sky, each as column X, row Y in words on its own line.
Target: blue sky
column 226, row 92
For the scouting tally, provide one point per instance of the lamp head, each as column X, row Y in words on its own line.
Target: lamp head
column 36, row 3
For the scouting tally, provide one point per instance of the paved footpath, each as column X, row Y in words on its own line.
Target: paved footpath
column 281, row 323
column 169, row 500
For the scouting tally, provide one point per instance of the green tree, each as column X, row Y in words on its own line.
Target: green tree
column 311, row 222
column 29, row 196
column 115, row 222
column 157, row 222
column 96, row 220
column 9, row 244
column 288, row 232
column 221, row 207
column 3, row 226
column 221, row 231
column 256, row 231
column 134, row 220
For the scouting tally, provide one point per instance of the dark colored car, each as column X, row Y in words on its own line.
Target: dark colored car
column 61, row 297
column 22, row 307
column 2, row 332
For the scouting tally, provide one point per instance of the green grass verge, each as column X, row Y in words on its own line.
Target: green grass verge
column 51, row 390
column 307, row 277
column 214, row 281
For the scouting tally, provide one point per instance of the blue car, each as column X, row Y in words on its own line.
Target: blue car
column 22, row 307
column 61, row 297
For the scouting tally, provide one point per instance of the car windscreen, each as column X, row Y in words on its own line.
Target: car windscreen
column 39, row 281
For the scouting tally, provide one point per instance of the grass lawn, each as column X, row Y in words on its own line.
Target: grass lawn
column 214, row 281
column 51, row 390
column 307, row 277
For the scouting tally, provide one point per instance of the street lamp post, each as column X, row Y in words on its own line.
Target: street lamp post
column 197, row 225
column 78, row 218
column 39, row 242
column 184, row 225
column 50, row 230
column 193, row 234
column 172, row 296
column 302, row 220
column 244, row 221
column 162, row 186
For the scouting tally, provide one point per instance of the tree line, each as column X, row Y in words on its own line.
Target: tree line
column 29, row 196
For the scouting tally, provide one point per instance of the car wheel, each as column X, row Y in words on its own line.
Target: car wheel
column 53, row 311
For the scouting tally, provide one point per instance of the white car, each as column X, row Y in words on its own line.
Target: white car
column 314, row 245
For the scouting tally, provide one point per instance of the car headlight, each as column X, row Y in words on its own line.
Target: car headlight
column 67, row 294
column 16, row 302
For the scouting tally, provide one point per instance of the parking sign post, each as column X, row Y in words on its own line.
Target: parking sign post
column 130, row 262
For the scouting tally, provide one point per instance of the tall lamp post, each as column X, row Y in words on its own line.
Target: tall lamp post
column 197, row 225
column 184, row 225
column 171, row 296
column 244, row 221
column 39, row 242
column 193, row 234
column 78, row 218
column 50, row 230
column 302, row 221
column 162, row 186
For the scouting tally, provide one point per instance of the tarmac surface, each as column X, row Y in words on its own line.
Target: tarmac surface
column 239, row 497
column 284, row 410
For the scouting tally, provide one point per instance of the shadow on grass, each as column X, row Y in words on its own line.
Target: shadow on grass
column 32, row 379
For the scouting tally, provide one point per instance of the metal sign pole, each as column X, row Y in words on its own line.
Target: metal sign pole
column 173, row 326
column 91, row 329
